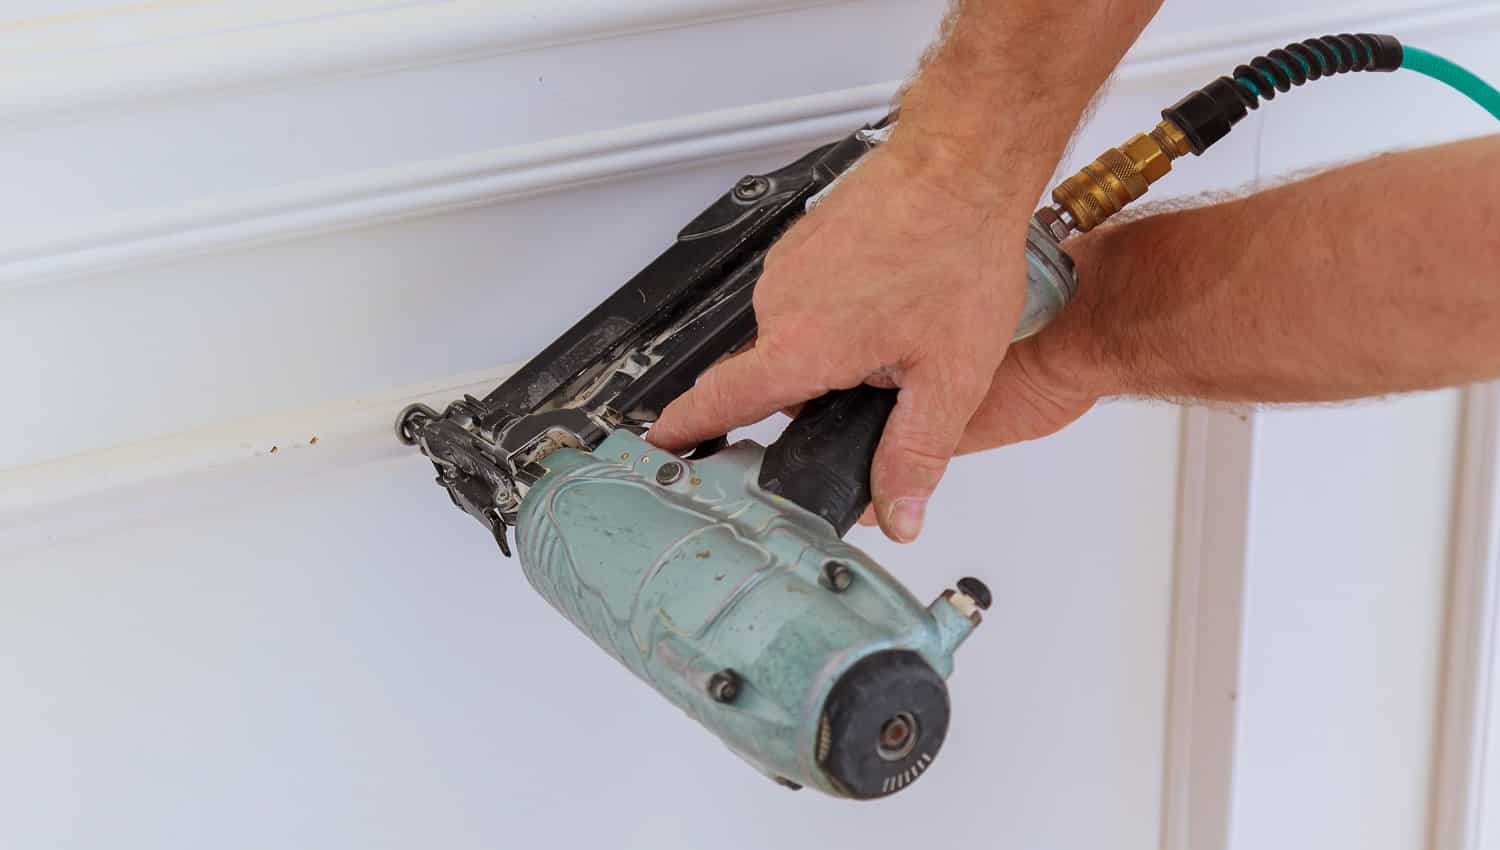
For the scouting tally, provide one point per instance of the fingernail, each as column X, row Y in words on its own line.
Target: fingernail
column 906, row 518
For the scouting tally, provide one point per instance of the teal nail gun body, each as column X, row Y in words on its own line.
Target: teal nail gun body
column 720, row 577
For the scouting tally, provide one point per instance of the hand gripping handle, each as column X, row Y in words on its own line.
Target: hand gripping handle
column 822, row 460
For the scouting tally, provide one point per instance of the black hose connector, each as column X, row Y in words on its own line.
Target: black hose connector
column 1207, row 115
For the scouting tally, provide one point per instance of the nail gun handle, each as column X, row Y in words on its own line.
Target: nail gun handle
column 822, row 460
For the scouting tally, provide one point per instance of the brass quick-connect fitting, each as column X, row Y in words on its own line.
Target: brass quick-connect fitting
column 1119, row 176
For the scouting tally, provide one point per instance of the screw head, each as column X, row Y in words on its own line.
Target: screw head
column 669, row 473
column 751, row 188
column 977, row 591
column 724, row 686
column 837, row 576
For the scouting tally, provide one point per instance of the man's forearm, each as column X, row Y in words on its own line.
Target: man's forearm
column 1379, row 277
column 997, row 99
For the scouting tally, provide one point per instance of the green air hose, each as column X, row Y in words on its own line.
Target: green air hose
column 1206, row 115
column 1455, row 75
column 1123, row 174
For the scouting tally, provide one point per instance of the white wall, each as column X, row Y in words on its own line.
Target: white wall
column 1352, row 536
column 242, row 226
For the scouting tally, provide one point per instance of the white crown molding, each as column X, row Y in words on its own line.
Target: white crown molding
column 253, row 46
column 83, row 494
column 512, row 172
column 423, row 188
column 1460, row 771
column 1213, row 538
column 61, row 63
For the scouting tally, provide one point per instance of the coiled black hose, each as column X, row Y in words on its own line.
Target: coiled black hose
column 1206, row 115
column 1311, row 59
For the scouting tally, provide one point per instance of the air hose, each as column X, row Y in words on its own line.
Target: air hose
column 1461, row 78
column 1123, row 174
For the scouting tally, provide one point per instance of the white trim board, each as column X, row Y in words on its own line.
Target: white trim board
column 1213, row 524
column 1466, row 692
column 65, row 64
column 84, row 494
column 423, row 188
column 507, row 173
column 281, row 41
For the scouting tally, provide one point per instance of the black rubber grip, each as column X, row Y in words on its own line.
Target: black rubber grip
column 822, row 460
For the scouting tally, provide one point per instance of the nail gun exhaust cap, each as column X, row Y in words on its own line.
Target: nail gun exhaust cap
column 883, row 724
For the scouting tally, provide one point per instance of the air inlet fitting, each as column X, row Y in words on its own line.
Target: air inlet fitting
column 1118, row 177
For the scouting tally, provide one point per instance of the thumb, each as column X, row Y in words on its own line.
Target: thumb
column 919, row 440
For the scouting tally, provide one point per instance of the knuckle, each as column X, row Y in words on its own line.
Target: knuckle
column 954, row 391
column 907, row 461
column 796, row 329
column 970, row 385
column 777, row 254
column 716, row 393
column 761, row 300
column 922, row 458
column 790, row 357
column 772, row 340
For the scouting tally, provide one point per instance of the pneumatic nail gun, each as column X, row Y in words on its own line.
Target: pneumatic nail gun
column 719, row 577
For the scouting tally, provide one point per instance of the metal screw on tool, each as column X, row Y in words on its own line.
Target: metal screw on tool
column 977, row 591
column 751, row 188
column 669, row 473
column 836, row 576
column 724, row 686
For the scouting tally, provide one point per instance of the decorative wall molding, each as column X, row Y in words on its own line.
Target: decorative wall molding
column 507, row 173
column 274, row 43
column 87, row 493
column 424, row 188
column 1466, row 692
column 1213, row 519
column 62, row 63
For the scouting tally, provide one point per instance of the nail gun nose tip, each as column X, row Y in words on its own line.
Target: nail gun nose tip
column 883, row 724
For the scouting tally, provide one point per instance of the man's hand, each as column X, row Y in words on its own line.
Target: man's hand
column 896, row 279
column 1209, row 304
column 911, row 273
column 1041, row 388
column 1043, row 385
